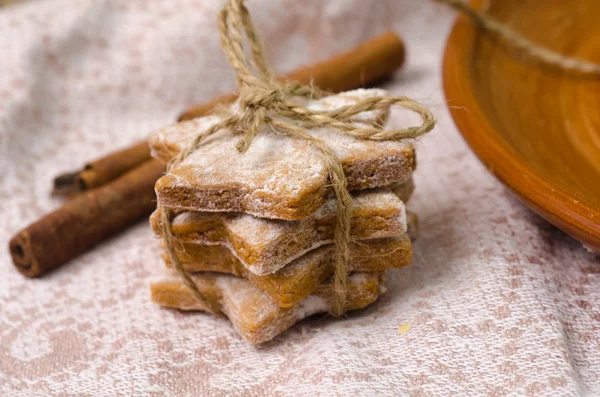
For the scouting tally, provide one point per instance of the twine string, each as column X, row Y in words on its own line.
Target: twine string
column 265, row 104
column 516, row 40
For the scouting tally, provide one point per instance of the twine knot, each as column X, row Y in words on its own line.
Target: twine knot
column 251, row 100
column 264, row 102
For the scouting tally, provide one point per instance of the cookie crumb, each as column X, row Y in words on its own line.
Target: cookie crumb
column 404, row 329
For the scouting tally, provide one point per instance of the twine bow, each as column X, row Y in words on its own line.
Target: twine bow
column 264, row 102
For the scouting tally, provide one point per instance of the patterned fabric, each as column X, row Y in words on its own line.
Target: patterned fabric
column 496, row 303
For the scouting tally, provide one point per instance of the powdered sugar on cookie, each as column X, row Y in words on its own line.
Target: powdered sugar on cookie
column 279, row 176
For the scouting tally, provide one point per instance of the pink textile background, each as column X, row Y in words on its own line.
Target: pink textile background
column 499, row 302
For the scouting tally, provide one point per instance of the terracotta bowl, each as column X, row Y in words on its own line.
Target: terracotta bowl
column 536, row 128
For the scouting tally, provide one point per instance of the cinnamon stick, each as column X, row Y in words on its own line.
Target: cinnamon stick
column 86, row 220
column 369, row 62
column 102, row 170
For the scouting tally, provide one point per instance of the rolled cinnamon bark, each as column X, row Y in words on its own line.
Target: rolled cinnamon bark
column 369, row 62
column 85, row 221
column 102, row 170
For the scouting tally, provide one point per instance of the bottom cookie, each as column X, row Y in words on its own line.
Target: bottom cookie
column 253, row 314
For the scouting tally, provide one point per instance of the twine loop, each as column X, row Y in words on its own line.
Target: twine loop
column 265, row 104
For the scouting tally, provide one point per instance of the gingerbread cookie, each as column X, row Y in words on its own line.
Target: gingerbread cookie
column 412, row 220
column 404, row 190
column 266, row 245
column 297, row 280
column 255, row 317
column 278, row 177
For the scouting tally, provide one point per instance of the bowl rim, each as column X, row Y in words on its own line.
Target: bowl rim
column 561, row 208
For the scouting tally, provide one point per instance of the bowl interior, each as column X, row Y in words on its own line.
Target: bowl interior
column 536, row 127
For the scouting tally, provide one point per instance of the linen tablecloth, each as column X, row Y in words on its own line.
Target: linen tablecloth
column 497, row 301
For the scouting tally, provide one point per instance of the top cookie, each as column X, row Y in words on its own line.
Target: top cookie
column 279, row 177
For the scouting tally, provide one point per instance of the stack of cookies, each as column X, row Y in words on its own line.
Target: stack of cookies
column 255, row 229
